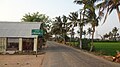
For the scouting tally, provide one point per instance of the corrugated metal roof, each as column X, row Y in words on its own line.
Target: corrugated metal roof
column 18, row 29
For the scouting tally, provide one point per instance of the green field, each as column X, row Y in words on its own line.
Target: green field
column 107, row 48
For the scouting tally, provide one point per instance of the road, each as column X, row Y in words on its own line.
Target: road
column 59, row 55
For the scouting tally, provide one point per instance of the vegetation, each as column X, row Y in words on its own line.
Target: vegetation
column 62, row 26
column 107, row 48
column 90, row 15
column 77, row 21
column 107, row 6
column 112, row 35
column 44, row 24
column 86, row 15
column 37, row 17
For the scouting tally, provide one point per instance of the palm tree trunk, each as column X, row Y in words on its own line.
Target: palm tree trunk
column 118, row 12
column 81, row 28
column 91, row 48
column 64, row 38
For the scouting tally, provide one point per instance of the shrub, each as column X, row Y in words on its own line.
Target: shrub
column 86, row 44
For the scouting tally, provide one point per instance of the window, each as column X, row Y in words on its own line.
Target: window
column 12, row 43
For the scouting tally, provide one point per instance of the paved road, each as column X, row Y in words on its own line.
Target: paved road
column 58, row 55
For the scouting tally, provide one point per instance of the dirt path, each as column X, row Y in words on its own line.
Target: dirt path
column 21, row 60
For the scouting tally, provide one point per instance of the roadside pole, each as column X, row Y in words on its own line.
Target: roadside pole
column 37, row 32
column 36, row 53
column 36, row 46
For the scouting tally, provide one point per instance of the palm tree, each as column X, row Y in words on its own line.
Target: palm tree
column 89, row 32
column 109, row 6
column 73, row 17
column 57, row 26
column 72, row 33
column 110, row 35
column 65, row 28
column 93, row 20
column 115, row 30
column 106, row 35
column 84, row 33
column 77, row 21
column 89, row 13
column 60, row 27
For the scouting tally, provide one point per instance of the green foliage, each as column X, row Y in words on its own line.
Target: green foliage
column 106, row 7
column 86, row 44
column 107, row 48
column 35, row 17
column 74, row 44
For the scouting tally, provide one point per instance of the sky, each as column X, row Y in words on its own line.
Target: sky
column 14, row 10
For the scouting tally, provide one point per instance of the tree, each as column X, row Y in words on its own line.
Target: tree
column 106, row 35
column 57, row 26
column 77, row 21
column 109, row 6
column 89, row 30
column 60, row 27
column 110, row 35
column 37, row 17
column 73, row 17
column 65, row 28
column 89, row 13
column 84, row 33
column 115, row 30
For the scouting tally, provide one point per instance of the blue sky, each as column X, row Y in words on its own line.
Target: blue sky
column 13, row 10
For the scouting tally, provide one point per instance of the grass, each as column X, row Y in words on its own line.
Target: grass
column 103, row 48
column 107, row 48
column 74, row 43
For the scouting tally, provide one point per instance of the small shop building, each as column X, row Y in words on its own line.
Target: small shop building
column 19, row 36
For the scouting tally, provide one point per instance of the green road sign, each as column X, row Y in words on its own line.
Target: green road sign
column 37, row 32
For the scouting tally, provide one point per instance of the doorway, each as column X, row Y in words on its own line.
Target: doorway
column 28, row 44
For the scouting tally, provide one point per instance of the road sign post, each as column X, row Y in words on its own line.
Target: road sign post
column 37, row 32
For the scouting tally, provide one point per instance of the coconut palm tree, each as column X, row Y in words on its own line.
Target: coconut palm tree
column 93, row 20
column 60, row 27
column 73, row 17
column 106, row 36
column 84, row 33
column 57, row 26
column 109, row 6
column 115, row 30
column 110, row 35
column 65, row 28
column 89, row 13
column 89, row 30
column 77, row 21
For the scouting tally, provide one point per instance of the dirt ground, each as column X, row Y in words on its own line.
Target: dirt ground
column 21, row 60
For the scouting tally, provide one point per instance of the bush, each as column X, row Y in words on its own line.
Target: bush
column 86, row 44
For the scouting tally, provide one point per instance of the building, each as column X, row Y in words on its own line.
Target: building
column 17, row 36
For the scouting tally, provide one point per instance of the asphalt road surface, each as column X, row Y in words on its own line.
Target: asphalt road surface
column 58, row 55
